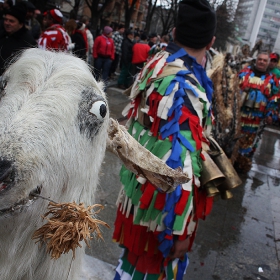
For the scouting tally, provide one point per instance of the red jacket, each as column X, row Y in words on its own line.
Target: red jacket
column 54, row 38
column 104, row 47
column 140, row 53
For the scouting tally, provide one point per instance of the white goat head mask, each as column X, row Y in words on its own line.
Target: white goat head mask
column 53, row 129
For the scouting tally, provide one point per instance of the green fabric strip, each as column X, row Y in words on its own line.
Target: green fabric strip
column 148, row 214
column 157, row 83
column 139, row 216
column 200, row 87
column 195, row 156
column 164, row 84
column 170, row 274
column 130, row 187
column 179, row 220
column 152, row 277
column 125, row 175
column 138, row 275
column 137, row 193
column 144, row 138
column 126, row 266
column 208, row 121
column 159, row 218
column 138, row 129
column 142, row 85
column 151, row 143
column 205, row 111
column 161, row 148
column 131, row 127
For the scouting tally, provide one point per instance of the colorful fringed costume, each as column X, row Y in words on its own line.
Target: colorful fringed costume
column 169, row 114
column 260, row 99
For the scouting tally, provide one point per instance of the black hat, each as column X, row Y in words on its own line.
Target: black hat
column 196, row 23
column 18, row 11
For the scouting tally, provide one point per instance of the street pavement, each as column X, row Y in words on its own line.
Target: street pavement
column 239, row 240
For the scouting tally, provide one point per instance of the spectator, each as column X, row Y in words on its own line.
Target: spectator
column 118, row 39
column 78, row 38
column 31, row 23
column 55, row 36
column 103, row 54
column 137, row 37
column 274, row 59
column 153, row 38
column 15, row 37
column 140, row 53
column 125, row 78
column 161, row 46
column 89, row 59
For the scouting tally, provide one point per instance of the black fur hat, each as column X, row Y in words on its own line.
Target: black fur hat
column 196, row 23
column 18, row 11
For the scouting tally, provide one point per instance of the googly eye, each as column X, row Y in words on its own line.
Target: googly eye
column 99, row 109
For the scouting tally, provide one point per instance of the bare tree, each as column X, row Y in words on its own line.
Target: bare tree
column 168, row 14
column 225, row 24
column 152, row 4
column 128, row 8
column 97, row 8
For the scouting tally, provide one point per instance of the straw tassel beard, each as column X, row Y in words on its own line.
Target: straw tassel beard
column 68, row 225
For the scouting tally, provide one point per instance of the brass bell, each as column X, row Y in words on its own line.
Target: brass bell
column 226, row 194
column 232, row 179
column 210, row 172
column 211, row 189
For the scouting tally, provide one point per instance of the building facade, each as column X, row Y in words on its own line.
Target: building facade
column 114, row 13
column 261, row 21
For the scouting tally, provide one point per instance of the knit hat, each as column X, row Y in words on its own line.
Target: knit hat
column 56, row 15
column 274, row 56
column 196, row 23
column 107, row 30
column 18, row 11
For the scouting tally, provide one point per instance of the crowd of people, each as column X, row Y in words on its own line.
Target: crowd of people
column 23, row 26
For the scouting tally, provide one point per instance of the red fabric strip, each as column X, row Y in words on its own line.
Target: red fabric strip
column 181, row 204
column 160, row 201
column 147, row 196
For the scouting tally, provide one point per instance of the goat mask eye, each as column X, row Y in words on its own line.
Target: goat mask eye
column 99, row 109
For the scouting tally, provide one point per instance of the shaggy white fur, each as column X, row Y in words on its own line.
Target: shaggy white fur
column 53, row 130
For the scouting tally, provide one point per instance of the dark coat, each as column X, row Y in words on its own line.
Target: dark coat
column 12, row 44
column 127, row 45
column 80, row 49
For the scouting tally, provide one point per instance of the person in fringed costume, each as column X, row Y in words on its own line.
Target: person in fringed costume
column 169, row 114
column 259, row 90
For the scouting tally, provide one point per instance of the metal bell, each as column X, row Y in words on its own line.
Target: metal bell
column 210, row 172
column 226, row 194
column 211, row 189
column 232, row 179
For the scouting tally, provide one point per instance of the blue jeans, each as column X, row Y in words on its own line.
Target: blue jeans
column 102, row 66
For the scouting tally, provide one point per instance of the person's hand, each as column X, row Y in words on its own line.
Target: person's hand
column 179, row 249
